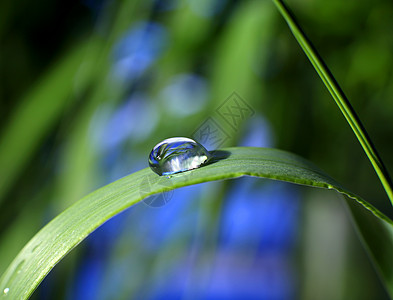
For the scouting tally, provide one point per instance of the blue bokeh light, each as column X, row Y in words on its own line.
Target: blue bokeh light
column 135, row 119
column 138, row 49
column 186, row 94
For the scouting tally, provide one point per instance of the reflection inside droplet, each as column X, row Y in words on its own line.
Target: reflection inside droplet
column 6, row 290
column 175, row 155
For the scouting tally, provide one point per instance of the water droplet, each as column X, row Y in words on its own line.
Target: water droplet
column 177, row 155
column 36, row 247
column 18, row 268
column 6, row 290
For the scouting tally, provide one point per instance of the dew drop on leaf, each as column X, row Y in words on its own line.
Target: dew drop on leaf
column 6, row 290
column 178, row 154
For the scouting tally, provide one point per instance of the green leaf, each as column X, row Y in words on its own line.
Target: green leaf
column 68, row 229
column 35, row 115
column 339, row 97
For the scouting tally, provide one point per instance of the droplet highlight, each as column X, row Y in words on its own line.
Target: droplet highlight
column 175, row 155
column 5, row 292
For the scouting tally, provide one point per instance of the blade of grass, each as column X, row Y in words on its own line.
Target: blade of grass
column 56, row 91
column 373, row 236
column 72, row 226
column 37, row 112
column 339, row 96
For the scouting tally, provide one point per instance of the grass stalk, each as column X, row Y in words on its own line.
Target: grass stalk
column 339, row 97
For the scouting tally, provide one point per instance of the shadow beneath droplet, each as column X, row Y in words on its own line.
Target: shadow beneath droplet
column 217, row 155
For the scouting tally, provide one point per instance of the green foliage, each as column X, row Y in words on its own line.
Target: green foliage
column 48, row 160
column 340, row 98
column 67, row 230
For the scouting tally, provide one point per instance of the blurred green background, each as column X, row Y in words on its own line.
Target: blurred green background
column 89, row 87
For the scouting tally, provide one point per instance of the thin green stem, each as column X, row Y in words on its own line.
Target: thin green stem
column 339, row 96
